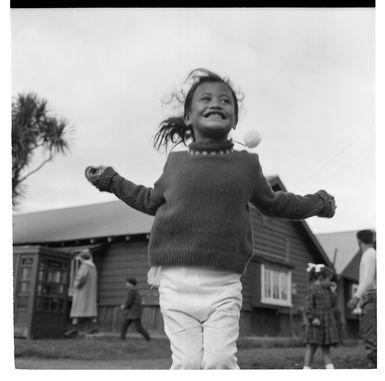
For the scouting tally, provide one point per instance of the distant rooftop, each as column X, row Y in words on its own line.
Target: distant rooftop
column 341, row 246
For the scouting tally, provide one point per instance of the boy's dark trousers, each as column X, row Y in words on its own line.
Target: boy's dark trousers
column 138, row 326
column 368, row 326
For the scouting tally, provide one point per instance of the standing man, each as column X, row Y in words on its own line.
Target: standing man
column 132, row 311
column 366, row 295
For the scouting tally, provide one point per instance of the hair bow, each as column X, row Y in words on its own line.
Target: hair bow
column 317, row 267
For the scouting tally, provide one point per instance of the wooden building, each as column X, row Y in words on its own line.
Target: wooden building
column 274, row 284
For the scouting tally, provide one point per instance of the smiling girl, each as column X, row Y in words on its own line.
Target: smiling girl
column 201, row 240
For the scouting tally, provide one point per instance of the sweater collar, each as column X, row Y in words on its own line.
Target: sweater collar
column 211, row 148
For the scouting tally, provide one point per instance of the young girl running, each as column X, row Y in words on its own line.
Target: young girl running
column 321, row 325
column 201, row 240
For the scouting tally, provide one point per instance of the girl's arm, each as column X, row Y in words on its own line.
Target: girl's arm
column 288, row 205
column 146, row 200
column 310, row 312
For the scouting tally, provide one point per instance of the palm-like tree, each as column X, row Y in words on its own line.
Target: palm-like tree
column 32, row 129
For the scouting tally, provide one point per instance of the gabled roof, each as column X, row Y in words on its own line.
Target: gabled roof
column 108, row 219
column 352, row 269
column 340, row 247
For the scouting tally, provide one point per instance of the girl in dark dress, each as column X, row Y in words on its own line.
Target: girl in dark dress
column 321, row 328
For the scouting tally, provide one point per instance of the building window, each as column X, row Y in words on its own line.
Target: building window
column 51, row 285
column 275, row 286
column 24, row 282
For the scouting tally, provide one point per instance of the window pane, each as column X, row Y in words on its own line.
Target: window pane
column 22, row 302
column 284, row 286
column 275, row 285
column 276, row 288
column 59, row 289
column 45, row 304
column 47, row 289
column 26, row 273
column 54, row 305
column 54, row 264
column 27, row 261
column 25, row 286
column 63, row 277
column 53, row 276
column 267, row 283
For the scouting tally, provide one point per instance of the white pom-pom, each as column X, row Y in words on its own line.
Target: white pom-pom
column 252, row 138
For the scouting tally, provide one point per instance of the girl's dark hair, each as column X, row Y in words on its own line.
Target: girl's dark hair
column 325, row 272
column 173, row 130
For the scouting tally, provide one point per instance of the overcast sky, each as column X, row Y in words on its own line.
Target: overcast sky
column 307, row 76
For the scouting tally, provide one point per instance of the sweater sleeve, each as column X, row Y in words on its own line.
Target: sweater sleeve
column 368, row 273
column 146, row 200
column 289, row 205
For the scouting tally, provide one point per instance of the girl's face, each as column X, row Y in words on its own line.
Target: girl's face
column 326, row 282
column 212, row 112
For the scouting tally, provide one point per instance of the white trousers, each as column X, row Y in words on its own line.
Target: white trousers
column 201, row 309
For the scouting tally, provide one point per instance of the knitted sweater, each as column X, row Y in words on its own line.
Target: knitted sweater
column 200, row 204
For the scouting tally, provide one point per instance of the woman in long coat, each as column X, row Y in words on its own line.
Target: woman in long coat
column 85, row 288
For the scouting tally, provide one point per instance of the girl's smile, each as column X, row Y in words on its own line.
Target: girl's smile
column 211, row 114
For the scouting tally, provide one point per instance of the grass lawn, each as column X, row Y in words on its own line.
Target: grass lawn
column 250, row 356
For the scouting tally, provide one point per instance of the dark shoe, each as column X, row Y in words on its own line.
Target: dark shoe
column 71, row 334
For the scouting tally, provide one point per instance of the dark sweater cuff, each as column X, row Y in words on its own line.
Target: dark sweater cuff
column 105, row 179
column 329, row 207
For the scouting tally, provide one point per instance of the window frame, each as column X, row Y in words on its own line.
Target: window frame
column 270, row 299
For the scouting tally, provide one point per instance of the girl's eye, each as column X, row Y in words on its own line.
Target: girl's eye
column 225, row 100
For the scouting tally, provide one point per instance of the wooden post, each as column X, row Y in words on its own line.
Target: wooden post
column 335, row 257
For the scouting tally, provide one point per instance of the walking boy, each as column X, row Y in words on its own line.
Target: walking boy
column 132, row 311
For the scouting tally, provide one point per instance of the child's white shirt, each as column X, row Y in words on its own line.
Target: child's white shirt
column 367, row 272
column 154, row 276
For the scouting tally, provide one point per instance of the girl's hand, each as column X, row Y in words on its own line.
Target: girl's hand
column 330, row 206
column 316, row 322
column 93, row 173
column 353, row 302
